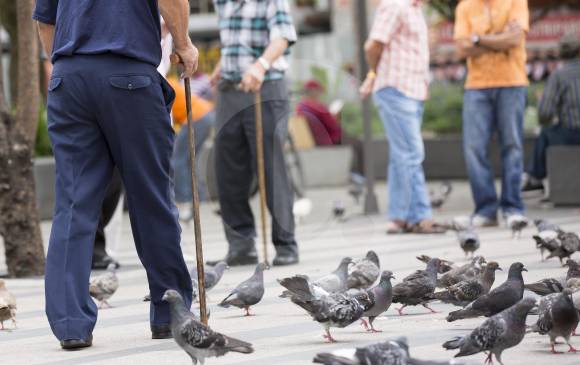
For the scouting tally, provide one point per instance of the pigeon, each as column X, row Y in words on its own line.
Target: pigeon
column 103, row 287
column 335, row 282
column 365, row 272
column 213, row 274
column 546, row 242
column 517, row 223
column 470, row 270
column 465, row 292
column 247, row 293
column 196, row 339
column 557, row 318
column 569, row 243
column 545, row 286
column 381, row 297
column 543, row 226
column 329, row 309
column 415, row 288
column 439, row 197
column 468, row 241
column 7, row 305
column 496, row 334
column 394, row 352
column 444, row 265
column 500, row 298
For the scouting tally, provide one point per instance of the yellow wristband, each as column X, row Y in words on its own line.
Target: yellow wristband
column 371, row 75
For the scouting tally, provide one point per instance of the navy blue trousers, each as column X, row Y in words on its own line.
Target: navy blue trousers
column 106, row 111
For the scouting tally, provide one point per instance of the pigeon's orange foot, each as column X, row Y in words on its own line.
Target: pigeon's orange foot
column 329, row 338
column 364, row 324
column 572, row 349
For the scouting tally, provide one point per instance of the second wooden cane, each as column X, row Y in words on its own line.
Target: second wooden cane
column 261, row 173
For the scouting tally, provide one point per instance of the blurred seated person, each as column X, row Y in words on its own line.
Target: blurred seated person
column 203, row 117
column 324, row 125
column 560, row 102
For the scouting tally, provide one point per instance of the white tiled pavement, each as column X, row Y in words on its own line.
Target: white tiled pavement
column 282, row 333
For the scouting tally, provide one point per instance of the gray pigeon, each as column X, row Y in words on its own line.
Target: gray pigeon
column 497, row 300
column 438, row 198
column 213, row 274
column 7, row 305
column 365, row 272
column 468, row 241
column 496, row 334
column 103, row 287
column 557, row 318
column 335, row 282
column 465, row 292
column 471, row 270
column 517, row 223
column 545, row 286
column 395, row 352
column 415, row 288
column 381, row 297
column 569, row 243
column 247, row 293
column 196, row 339
column 546, row 241
column 330, row 310
column 444, row 265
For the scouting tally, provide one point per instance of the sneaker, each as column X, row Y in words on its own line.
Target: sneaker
column 532, row 185
column 480, row 221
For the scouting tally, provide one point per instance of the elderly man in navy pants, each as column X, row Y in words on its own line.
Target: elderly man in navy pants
column 109, row 107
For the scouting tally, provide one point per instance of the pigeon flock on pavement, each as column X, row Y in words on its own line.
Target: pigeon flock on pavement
column 362, row 290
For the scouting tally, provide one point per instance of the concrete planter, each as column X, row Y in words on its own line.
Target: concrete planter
column 443, row 157
column 44, row 173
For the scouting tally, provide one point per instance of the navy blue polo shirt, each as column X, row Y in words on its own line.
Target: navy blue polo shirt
column 128, row 28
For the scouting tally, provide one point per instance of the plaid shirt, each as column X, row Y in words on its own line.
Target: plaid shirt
column 404, row 64
column 246, row 29
column 561, row 97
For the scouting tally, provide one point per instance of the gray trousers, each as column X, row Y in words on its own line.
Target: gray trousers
column 235, row 158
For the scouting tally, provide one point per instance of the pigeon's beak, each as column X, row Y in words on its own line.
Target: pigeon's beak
column 164, row 298
column 500, row 269
column 524, row 269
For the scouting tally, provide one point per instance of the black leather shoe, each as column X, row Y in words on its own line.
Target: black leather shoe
column 161, row 332
column 238, row 259
column 76, row 344
column 286, row 257
column 103, row 262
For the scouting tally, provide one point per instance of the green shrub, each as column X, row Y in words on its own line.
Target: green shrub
column 443, row 109
column 43, row 146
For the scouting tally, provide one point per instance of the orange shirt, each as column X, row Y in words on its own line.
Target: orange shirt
column 199, row 107
column 493, row 69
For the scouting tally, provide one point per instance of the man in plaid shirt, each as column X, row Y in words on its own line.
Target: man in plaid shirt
column 397, row 53
column 255, row 37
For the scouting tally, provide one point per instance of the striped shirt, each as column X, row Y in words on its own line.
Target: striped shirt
column 246, row 29
column 561, row 98
column 404, row 64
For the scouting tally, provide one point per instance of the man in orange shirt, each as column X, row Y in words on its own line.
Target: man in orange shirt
column 491, row 35
column 203, row 116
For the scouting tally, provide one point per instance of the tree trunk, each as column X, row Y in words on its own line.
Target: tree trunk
column 19, row 221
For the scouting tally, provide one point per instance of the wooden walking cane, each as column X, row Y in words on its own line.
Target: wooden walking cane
column 175, row 59
column 261, row 172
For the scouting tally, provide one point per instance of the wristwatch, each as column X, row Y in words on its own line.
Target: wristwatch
column 264, row 63
column 475, row 39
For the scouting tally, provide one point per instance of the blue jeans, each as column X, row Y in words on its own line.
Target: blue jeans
column 182, row 164
column 402, row 118
column 486, row 111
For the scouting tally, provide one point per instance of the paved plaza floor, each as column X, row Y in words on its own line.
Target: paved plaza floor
column 282, row 333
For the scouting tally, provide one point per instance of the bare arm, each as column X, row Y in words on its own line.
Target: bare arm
column 466, row 49
column 510, row 38
column 254, row 76
column 373, row 51
column 46, row 33
column 176, row 16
